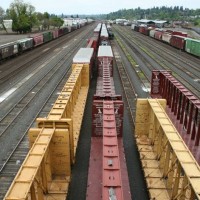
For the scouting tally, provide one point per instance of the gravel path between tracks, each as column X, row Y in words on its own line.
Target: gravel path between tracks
column 78, row 185
column 135, row 173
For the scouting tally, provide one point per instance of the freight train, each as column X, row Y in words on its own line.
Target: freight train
column 106, row 142
column 18, row 47
column 58, row 133
column 177, row 39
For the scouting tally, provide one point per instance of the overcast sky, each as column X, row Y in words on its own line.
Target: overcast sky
column 99, row 6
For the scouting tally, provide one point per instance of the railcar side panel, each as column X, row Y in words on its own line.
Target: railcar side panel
column 47, row 36
column 192, row 46
column 25, row 44
column 8, row 50
column 178, row 42
column 37, row 39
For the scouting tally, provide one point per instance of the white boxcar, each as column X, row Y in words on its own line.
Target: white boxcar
column 166, row 37
column 152, row 33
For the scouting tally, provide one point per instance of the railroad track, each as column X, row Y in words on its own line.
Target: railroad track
column 12, row 69
column 162, row 62
column 15, row 158
column 127, row 85
column 167, row 50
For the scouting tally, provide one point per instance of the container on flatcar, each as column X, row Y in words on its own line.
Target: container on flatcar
column 9, row 49
column 178, row 41
column 37, row 39
column 85, row 56
column 25, row 44
column 47, row 36
column 192, row 46
column 166, row 37
column 105, row 52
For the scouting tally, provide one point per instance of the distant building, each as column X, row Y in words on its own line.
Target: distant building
column 120, row 21
column 73, row 21
column 154, row 23
column 7, row 23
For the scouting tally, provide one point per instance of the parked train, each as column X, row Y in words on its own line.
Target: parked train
column 177, row 39
column 107, row 131
column 107, row 124
column 17, row 47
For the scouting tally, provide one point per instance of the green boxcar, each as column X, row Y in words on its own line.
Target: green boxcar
column 192, row 46
column 48, row 36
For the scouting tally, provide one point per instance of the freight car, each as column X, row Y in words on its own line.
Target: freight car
column 177, row 39
column 63, row 119
column 104, row 40
column 25, row 44
column 85, row 56
column 144, row 30
column 110, row 33
column 192, row 46
column 178, row 42
column 19, row 46
column 93, row 42
column 106, row 141
column 9, row 49
column 37, row 39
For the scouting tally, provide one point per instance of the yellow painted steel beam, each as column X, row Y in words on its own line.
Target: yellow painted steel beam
column 45, row 170
column 170, row 169
column 70, row 105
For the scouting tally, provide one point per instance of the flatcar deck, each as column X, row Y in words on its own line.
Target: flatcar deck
column 94, row 187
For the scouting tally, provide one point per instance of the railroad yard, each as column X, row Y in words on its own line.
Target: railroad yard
column 31, row 82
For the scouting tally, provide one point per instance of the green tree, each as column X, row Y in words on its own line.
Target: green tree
column 46, row 22
column 56, row 22
column 23, row 16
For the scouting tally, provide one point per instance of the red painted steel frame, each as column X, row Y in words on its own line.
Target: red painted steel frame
column 112, row 182
column 181, row 102
column 106, row 91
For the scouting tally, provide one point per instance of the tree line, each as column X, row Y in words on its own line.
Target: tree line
column 25, row 17
column 161, row 13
